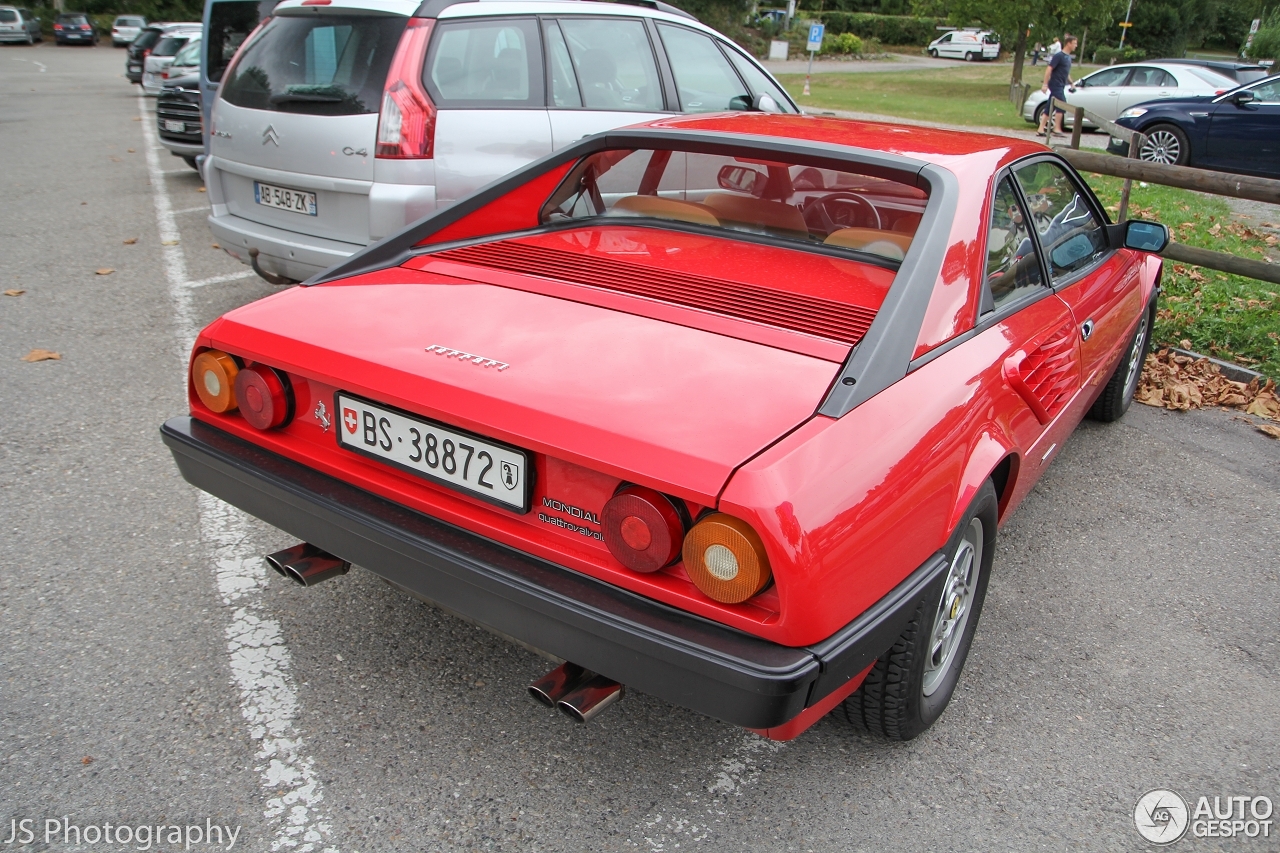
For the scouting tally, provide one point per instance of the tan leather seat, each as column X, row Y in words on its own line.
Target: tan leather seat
column 889, row 244
column 665, row 208
column 758, row 213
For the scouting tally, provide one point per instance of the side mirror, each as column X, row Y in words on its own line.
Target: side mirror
column 1242, row 98
column 740, row 179
column 764, row 104
column 1145, row 236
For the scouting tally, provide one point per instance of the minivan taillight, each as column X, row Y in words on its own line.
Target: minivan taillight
column 406, row 127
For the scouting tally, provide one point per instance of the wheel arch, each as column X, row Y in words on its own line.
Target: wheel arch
column 993, row 457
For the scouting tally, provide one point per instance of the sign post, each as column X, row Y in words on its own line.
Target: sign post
column 816, row 31
column 1124, row 28
column 1253, row 31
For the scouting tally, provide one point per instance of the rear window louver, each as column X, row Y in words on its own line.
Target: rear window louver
column 811, row 315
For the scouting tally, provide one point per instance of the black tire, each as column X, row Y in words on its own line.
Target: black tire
column 1038, row 115
column 933, row 52
column 969, row 57
column 191, row 161
column 1116, row 398
column 892, row 701
column 1166, row 144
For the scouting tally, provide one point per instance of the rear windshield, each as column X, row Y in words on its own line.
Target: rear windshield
column 147, row 38
column 8, row 16
column 72, row 19
column 793, row 201
column 130, row 22
column 331, row 65
column 1248, row 75
column 170, row 45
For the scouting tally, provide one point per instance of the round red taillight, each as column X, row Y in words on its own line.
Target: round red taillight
column 264, row 396
column 642, row 528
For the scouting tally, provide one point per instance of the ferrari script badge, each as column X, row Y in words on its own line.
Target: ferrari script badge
column 466, row 356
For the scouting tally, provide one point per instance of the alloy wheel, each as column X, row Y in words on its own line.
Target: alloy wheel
column 954, row 608
column 1136, row 357
column 1161, row 147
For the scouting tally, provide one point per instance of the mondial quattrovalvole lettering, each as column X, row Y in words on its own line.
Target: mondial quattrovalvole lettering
column 570, row 510
column 570, row 526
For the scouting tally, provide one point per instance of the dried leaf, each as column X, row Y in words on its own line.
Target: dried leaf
column 105, row 271
column 14, row 292
column 1269, row 429
column 131, row 241
column 131, row 151
column 216, row 246
column 1272, row 240
column 201, row 190
column 42, row 355
column 88, row 759
column 137, row 118
column 168, row 242
column 1216, row 230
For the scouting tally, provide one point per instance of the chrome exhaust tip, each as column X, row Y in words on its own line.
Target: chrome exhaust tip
column 588, row 699
column 306, row 564
column 556, row 684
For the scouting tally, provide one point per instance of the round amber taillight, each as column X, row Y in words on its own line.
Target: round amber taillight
column 725, row 558
column 642, row 529
column 213, row 373
column 264, row 397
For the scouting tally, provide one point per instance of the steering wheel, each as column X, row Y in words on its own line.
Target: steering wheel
column 845, row 215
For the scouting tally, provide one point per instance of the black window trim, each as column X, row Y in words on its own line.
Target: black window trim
column 533, row 103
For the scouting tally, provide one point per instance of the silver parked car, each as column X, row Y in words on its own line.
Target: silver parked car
column 337, row 125
column 161, row 57
column 19, row 25
column 1113, row 90
column 125, row 28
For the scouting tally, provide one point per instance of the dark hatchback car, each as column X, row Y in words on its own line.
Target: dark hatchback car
column 1237, row 132
column 1241, row 72
column 178, row 118
column 74, row 28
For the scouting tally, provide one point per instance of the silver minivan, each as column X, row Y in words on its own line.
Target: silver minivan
column 341, row 121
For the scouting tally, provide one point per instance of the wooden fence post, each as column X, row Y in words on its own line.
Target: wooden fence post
column 1077, row 125
column 1135, row 143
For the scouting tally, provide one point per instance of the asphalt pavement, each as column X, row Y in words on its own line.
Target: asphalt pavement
column 153, row 673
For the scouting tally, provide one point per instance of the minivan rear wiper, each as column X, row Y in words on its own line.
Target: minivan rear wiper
column 305, row 98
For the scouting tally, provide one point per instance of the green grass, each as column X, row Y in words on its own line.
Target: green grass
column 1228, row 316
column 969, row 94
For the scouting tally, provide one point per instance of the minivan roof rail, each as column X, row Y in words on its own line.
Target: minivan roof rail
column 433, row 8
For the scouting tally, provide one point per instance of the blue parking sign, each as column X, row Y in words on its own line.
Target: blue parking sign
column 816, row 32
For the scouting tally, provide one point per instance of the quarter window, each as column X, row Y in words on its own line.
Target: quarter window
column 614, row 65
column 1013, row 268
column 486, row 63
column 705, row 79
column 1070, row 234
column 757, row 81
column 1151, row 77
column 1268, row 93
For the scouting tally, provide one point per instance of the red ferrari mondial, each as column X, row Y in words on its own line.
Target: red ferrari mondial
column 726, row 409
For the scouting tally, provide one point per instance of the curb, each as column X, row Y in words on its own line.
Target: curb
column 1234, row 372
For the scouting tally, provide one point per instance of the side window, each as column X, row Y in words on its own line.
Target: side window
column 1268, row 93
column 1070, row 234
column 1013, row 268
column 757, row 81
column 564, row 83
column 229, row 25
column 1151, row 77
column 945, row 39
column 705, row 80
column 486, row 63
column 1109, row 77
column 614, row 64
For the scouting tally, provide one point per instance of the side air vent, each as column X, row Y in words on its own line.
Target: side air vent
column 811, row 315
column 1047, row 374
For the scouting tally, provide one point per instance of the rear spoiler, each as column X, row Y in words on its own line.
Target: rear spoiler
column 433, row 8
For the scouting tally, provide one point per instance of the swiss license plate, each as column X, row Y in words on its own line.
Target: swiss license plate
column 175, row 126
column 284, row 198
column 476, row 466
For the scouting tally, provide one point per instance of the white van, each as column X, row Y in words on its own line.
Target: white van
column 341, row 121
column 969, row 45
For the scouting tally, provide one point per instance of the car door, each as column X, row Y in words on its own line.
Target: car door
column 1040, row 363
column 1098, row 284
column 705, row 80
column 602, row 73
column 944, row 45
column 486, row 78
column 1100, row 92
column 1246, row 137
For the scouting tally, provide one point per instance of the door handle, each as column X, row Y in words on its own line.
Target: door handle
column 1086, row 330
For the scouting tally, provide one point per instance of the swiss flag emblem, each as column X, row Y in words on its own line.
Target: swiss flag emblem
column 349, row 420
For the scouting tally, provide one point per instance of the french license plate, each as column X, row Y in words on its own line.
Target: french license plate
column 284, row 198
column 465, row 462
column 175, row 126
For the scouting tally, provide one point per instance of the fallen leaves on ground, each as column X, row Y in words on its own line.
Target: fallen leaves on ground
column 14, row 292
column 42, row 355
column 1269, row 429
column 201, row 190
column 130, row 150
column 216, row 246
column 104, row 271
column 137, row 118
column 131, row 241
column 168, row 242
column 1179, row 382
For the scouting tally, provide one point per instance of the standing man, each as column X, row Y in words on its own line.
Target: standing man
column 1057, row 76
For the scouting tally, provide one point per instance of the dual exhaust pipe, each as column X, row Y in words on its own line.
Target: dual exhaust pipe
column 306, row 564
column 576, row 691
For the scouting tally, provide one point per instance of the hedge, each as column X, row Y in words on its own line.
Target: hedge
column 887, row 29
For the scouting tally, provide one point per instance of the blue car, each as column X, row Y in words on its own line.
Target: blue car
column 1238, row 131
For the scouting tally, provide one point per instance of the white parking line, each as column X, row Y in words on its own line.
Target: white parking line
column 219, row 279
column 40, row 65
column 260, row 660
column 204, row 208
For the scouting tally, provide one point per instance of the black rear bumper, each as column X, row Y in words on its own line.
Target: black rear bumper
column 648, row 646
